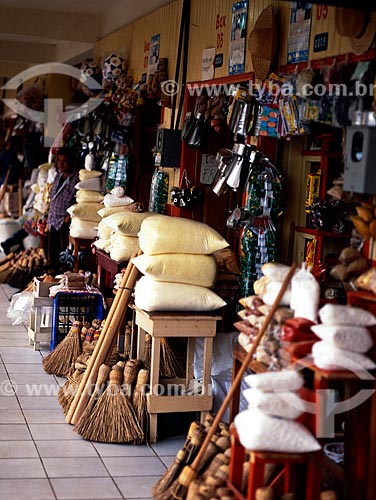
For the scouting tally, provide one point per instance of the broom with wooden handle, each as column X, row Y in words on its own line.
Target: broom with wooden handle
column 190, row 472
column 104, row 346
column 110, row 316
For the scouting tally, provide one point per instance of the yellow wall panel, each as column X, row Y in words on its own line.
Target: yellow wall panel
column 132, row 41
column 210, row 27
column 323, row 21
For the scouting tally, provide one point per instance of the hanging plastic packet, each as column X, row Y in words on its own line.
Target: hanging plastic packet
column 269, row 93
column 264, row 188
column 258, row 245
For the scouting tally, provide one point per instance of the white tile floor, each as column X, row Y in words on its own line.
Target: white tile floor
column 41, row 458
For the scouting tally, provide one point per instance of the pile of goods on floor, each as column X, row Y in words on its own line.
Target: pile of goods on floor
column 18, row 269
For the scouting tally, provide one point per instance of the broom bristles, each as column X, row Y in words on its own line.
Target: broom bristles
column 103, row 373
column 139, row 399
column 170, row 475
column 113, row 419
column 195, row 436
column 60, row 360
column 171, row 363
column 67, row 392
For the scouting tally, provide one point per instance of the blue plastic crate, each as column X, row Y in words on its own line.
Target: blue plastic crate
column 68, row 307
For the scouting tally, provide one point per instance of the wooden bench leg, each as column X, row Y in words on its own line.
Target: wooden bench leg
column 153, row 427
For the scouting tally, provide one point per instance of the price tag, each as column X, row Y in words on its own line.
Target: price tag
column 218, row 61
column 208, row 169
column 320, row 42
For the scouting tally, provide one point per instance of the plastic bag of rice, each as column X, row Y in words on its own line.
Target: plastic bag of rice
column 282, row 404
column 285, row 380
column 260, row 432
column 351, row 338
column 334, row 314
column 328, row 357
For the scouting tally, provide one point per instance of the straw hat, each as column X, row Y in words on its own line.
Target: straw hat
column 359, row 26
column 262, row 43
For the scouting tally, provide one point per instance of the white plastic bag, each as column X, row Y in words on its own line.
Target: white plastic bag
column 20, row 307
column 305, row 294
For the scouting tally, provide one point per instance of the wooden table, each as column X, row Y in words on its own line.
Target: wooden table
column 191, row 325
column 106, row 270
column 239, row 354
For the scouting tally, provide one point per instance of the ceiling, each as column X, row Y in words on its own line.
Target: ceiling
column 37, row 31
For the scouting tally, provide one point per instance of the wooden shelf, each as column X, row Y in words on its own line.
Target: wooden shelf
column 320, row 152
column 319, row 232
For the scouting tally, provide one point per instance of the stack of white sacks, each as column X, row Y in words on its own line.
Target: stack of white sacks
column 42, row 188
column 345, row 338
column 177, row 265
column 117, row 202
column 84, row 213
column 268, row 423
column 118, row 234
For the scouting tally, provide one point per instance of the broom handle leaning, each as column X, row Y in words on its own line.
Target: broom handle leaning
column 84, row 390
column 196, row 462
column 109, row 318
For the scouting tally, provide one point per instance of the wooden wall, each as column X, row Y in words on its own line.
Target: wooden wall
column 132, row 41
column 210, row 28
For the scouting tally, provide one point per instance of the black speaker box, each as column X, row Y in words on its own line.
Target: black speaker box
column 169, row 146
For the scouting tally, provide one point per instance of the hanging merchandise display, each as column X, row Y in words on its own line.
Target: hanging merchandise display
column 264, row 187
column 185, row 197
column 241, row 114
column 231, row 168
column 113, row 66
column 264, row 202
column 158, row 191
column 258, row 246
column 118, row 169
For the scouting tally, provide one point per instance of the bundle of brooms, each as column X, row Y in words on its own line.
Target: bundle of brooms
column 190, row 472
column 68, row 391
column 114, row 402
column 112, row 418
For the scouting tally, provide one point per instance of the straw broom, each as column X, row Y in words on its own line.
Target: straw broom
column 189, row 473
column 139, row 399
column 68, row 390
column 103, row 374
column 194, row 439
column 60, row 360
column 171, row 363
column 147, row 354
column 113, row 419
column 104, row 344
column 131, row 369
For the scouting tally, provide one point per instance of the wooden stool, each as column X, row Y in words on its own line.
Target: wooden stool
column 176, row 324
column 78, row 244
column 106, row 270
column 257, row 462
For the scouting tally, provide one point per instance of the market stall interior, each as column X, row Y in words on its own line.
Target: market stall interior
column 217, row 285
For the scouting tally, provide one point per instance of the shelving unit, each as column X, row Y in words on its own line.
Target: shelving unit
column 321, row 161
